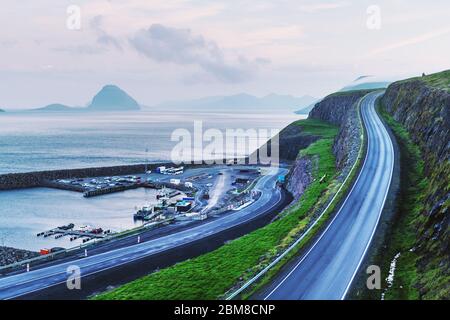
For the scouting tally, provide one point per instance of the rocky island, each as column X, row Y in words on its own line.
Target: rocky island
column 112, row 98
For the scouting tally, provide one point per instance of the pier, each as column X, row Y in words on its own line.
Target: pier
column 75, row 234
column 99, row 192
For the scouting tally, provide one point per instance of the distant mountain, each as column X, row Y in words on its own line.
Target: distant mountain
column 367, row 86
column 244, row 100
column 112, row 98
column 1, row 110
column 56, row 107
column 367, row 82
column 109, row 98
column 307, row 109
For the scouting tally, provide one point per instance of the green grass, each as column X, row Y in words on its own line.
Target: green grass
column 333, row 189
column 317, row 128
column 410, row 203
column 438, row 80
column 210, row 275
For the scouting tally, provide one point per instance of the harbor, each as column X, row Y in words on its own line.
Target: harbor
column 155, row 197
column 164, row 205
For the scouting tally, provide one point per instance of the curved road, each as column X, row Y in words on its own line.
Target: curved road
column 327, row 270
column 40, row 279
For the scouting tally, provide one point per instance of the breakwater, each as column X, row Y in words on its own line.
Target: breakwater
column 12, row 255
column 12, row 181
column 41, row 178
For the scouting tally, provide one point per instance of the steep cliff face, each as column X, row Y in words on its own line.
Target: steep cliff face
column 340, row 109
column 422, row 106
column 335, row 107
column 300, row 177
column 291, row 140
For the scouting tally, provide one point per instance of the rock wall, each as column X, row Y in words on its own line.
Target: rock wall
column 335, row 107
column 299, row 177
column 340, row 109
column 37, row 179
column 12, row 255
column 424, row 111
column 291, row 140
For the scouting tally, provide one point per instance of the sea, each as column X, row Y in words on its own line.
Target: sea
column 48, row 141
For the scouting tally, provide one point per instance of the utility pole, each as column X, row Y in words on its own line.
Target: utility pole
column 146, row 159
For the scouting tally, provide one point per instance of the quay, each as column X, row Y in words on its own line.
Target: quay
column 75, row 234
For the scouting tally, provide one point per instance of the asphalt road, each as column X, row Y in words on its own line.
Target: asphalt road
column 327, row 269
column 38, row 280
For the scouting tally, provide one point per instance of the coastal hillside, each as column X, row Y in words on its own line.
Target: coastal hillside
column 421, row 106
column 340, row 109
column 309, row 145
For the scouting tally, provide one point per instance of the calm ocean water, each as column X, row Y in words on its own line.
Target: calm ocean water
column 32, row 142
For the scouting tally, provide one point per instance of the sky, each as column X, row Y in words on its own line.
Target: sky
column 64, row 51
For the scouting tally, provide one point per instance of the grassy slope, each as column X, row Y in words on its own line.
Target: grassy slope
column 209, row 276
column 421, row 275
column 439, row 80
column 410, row 203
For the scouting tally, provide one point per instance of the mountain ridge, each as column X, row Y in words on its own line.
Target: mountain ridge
column 243, row 100
column 109, row 98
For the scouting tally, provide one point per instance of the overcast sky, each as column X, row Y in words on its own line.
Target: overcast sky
column 177, row 49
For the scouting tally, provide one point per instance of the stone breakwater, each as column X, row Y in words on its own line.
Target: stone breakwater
column 39, row 179
column 12, row 181
column 11, row 255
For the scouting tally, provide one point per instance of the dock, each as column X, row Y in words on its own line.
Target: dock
column 98, row 192
column 74, row 234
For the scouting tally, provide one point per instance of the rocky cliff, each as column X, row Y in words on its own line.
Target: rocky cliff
column 300, row 177
column 422, row 106
column 340, row 109
column 291, row 140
